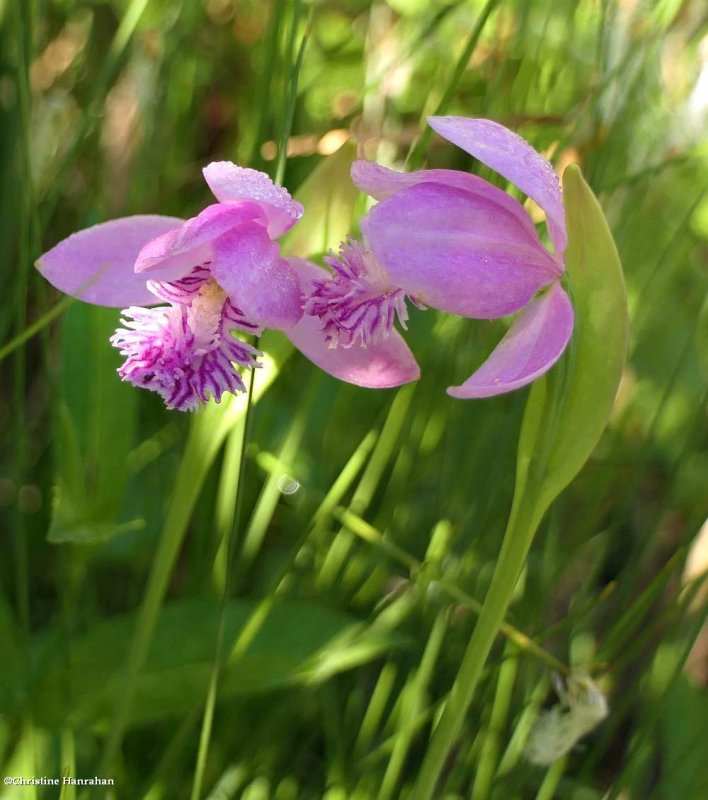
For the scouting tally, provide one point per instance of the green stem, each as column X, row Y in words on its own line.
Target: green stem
column 489, row 755
column 547, row 790
column 210, row 704
column 515, row 547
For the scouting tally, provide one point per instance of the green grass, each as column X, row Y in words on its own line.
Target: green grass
column 173, row 620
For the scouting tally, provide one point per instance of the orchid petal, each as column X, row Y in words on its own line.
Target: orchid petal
column 261, row 284
column 177, row 252
column 513, row 158
column 532, row 345
column 232, row 184
column 457, row 251
column 96, row 264
column 383, row 365
column 381, row 182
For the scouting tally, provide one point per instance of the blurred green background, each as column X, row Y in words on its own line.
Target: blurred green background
column 342, row 580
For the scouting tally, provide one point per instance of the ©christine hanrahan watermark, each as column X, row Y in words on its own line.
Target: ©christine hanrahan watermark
column 66, row 780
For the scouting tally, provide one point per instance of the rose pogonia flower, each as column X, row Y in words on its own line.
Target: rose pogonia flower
column 384, row 363
column 218, row 273
column 453, row 241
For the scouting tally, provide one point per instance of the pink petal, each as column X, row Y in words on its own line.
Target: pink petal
column 532, row 345
column 232, row 184
column 180, row 250
column 514, row 159
column 96, row 264
column 261, row 284
column 381, row 182
column 381, row 366
column 457, row 251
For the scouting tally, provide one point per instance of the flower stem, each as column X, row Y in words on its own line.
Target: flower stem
column 517, row 541
column 210, row 703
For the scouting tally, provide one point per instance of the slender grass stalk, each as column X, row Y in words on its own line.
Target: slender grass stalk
column 512, row 557
column 385, row 748
column 414, row 703
column 35, row 328
column 265, row 506
column 364, row 492
column 377, row 706
column 266, row 82
column 417, row 151
column 547, row 790
column 489, row 754
column 210, row 704
column 225, row 511
column 291, row 94
column 23, row 17
column 523, row 727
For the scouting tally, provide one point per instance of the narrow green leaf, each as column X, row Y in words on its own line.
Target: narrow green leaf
column 565, row 415
column 568, row 410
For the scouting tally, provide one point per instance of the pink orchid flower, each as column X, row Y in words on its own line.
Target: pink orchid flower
column 218, row 272
column 452, row 241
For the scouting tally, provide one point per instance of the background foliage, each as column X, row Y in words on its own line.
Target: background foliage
column 325, row 607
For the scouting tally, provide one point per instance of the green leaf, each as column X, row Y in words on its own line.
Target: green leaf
column 567, row 410
column 296, row 642
column 329, row 197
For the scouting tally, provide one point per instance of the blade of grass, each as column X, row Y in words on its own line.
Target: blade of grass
column 515, row 748
column 489, row 754
column 270, row 493
column 364, row 492
column 376, row 708
column 266, row 84
column 547, row 790
column 290, row 100
column 413, row 703
column 23, row 14
column 419, row 148
column 37, row 326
